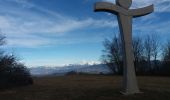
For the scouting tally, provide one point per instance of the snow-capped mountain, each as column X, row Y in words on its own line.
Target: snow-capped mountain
column 90, row 69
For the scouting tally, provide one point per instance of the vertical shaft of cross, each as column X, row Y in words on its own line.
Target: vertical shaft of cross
column 129, row 82
column 125, row 15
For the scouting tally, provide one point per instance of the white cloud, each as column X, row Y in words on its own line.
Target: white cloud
column 19, row 24
column 152, row 23
column 160, row 5
column 90, row 62
column 160, row 28
column 27, row 41
column 24, row 28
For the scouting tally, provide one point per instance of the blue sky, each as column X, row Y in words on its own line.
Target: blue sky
column 59, row 32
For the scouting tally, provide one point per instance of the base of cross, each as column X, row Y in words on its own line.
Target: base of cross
column 130, row 93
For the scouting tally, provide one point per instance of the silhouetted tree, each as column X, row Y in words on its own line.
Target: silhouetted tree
column 165, row 68
column 166, row 51
column 138, row 53
column 156, row 49
column 148, row 51
column 12, row 72
column 113, row 54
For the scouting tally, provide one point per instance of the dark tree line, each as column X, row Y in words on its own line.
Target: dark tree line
column 12, row 72
column 151, row 56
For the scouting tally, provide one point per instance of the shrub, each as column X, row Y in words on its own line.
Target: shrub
column 13, row 73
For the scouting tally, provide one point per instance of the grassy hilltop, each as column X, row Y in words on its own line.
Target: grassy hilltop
column 90, row 87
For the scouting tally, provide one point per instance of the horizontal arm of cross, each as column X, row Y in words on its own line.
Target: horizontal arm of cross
column 141, row 11
column 109, row 7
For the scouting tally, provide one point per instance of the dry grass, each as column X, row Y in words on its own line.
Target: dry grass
column 88, row 88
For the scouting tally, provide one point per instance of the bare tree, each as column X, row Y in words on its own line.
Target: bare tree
column 12, row 72
column 166, row 52
column 138, row 52
column 146, row 53
column 148, row 50
column 155, row 49
column 166, row 59
column 151, row 51
column 113, row 54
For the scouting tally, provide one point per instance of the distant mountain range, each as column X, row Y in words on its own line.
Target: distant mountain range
column 89, row 69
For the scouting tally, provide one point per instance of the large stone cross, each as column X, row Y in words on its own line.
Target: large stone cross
column 125, row 15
